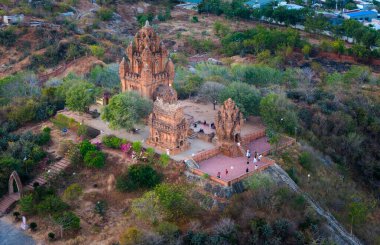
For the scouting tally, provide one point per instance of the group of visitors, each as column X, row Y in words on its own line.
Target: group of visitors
column 257, row 158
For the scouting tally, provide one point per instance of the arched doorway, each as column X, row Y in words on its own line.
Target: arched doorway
column 237, row 138
column 14, row 179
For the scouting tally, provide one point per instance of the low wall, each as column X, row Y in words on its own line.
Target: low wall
column 246, row 139
column 204, row 155
column 201, row 173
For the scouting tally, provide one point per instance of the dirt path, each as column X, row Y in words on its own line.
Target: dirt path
column 341, row 234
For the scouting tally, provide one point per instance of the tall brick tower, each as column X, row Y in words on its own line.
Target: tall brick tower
column 148, row 65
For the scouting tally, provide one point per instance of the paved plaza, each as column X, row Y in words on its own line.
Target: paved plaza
column 236, row 166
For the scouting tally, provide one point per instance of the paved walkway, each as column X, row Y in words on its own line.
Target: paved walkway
column 197, row 145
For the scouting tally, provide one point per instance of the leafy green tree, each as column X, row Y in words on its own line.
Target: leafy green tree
column 51, row 205
column 147, row 207
column 106, row 77
column 358, row 213
column 125, row 110
column 209, row 91
column 278, row 114
column 246, row 97
column 138, row 176
column 338, row 46
column 67, row 221
column 306, row 50
column 80, row 96
column 174, row 201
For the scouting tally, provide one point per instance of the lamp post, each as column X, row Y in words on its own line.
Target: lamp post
column 308, row 178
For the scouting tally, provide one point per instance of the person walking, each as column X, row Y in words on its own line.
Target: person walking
column 260, row 156
column 226, row 171
column 218, row 175
column 247, row 170
column 256, row 167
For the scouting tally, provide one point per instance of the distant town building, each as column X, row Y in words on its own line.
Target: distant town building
column 13, row 19
column 363, row 5
column 290, row 6
column 367, row 15
column 258, row 3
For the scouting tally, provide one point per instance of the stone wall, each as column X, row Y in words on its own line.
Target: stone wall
column 204, row 155
column 246, row 139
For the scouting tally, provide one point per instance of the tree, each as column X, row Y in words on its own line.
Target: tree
column 338, row 46
column 192, row 84
column 209, row 91
column 80, row 96
column 27, row 204
column 51, row 204
column 126, row 109
column 106, row 76
column 246, row 97
column 147, row 207
column 67, row 221
column 138, row 176
column 358, row 212
column 174, row 201
column 278, row 114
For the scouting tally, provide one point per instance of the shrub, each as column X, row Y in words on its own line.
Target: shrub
column 16, row 215
column 33, row 226
column 44, row 137
column 137, row 146
column 149, row 152
column 167, row 230
column 305, row 159
column 164, row 160
column 194, row 19
column 51, row 204
column 105, row 14
column 97, row 51
column 51, row 236
column 72, row 193
column 100, row 207
column 95, row 159
column 138, row 176
column 292, row 172
column 131, row 236
column 27, row 205
column 113, row 142
column 86, row 146
column 82, row 130
column 174, row 201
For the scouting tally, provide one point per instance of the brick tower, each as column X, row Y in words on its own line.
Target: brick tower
column 168, row 126
column 148, row 65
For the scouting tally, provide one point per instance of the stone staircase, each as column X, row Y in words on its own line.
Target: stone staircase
column 191, row 163
column 53, row 171
column 7, row 202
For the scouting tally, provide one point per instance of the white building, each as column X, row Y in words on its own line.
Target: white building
column 13, row 19
column 290, row 6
